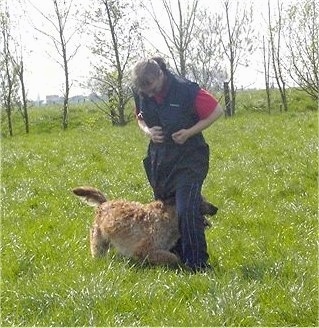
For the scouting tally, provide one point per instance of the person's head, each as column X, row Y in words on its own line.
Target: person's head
column 148, row 76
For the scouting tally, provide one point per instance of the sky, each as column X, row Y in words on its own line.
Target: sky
column 45, row 77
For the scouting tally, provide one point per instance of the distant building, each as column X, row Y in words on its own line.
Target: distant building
column 36, row 103
column 77, row 99
column 93, row 97
column 53, row 99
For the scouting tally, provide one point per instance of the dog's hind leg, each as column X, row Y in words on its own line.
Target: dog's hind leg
column 99, row 244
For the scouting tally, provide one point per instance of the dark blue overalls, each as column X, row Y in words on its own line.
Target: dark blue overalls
column 176, row 170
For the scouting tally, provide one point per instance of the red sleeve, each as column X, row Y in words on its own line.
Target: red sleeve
column 205, row 104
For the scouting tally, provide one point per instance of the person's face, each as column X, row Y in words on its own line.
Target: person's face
column 154, row 86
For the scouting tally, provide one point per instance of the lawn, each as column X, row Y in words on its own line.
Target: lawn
column 262, row 243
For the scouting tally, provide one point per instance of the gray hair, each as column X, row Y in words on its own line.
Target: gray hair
column 144, row 73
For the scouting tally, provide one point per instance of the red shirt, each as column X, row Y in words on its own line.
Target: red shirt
column 205, row 104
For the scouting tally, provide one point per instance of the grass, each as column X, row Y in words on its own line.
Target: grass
column 263, row 243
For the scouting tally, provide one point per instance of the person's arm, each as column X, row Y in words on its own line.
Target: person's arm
column 208, row 111
column 181, row 136
column 142, row 125
column 155, row 133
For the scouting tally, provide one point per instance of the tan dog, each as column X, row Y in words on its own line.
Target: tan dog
column 140, row 231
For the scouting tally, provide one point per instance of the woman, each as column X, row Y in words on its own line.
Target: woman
column 173, row 112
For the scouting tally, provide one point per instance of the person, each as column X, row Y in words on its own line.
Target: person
column 173, row 112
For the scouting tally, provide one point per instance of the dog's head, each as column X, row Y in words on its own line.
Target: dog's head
column 206, row 208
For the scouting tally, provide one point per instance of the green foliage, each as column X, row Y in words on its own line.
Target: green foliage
column 262, row 245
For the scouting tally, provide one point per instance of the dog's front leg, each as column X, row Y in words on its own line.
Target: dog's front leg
column 154, row 256
column 162, row 257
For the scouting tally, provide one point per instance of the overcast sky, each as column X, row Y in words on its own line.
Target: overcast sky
column 45, row 77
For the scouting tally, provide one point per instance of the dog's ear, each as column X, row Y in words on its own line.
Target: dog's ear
column 208, row 208
column 90, row 195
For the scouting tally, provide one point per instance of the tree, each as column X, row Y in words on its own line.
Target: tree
column 61, row 30
column 237, row 39
column 275, row 40
column 12, row 70
column 8, row 71
column 179, row 35
column 303, row 44
column 117, row 43
column 205, row 53
column 23, row 104
column 266, row 62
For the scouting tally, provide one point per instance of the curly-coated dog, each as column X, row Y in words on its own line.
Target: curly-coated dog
column 144, row 232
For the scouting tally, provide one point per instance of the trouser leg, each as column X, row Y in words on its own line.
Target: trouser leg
column 192, row 245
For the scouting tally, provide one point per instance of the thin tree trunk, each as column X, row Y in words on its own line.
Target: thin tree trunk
column 275, row 55
column 8, row 103
column 66, row 94
column 9, row 122
column 24, row 99
column 121, row 116
column 266, row 74
column 227, row 99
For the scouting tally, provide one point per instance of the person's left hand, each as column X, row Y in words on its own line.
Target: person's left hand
column 180, row 136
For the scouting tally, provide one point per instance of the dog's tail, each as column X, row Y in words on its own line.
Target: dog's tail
column 90, row 195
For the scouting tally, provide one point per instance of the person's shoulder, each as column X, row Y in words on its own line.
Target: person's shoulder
column 205, row 96
column 178, row 78
column 184, row 82
column 204, row 93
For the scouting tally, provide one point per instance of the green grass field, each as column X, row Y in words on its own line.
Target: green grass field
column 262, row 245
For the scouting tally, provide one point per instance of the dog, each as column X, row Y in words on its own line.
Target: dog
column 144, row 232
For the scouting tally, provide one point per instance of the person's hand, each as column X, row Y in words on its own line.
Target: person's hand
column 180, row 136
column 156, row 134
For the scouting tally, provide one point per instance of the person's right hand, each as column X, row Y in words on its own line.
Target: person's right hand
column 156, row 134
